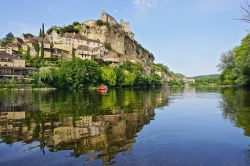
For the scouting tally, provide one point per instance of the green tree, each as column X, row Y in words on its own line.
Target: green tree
column 43, row 32
column 155, row 80
column 235, row 65
column 40, row 33
column 42, row 50
column 242, row 61
column 43, row 76
column 128, row 78
column 227, row 66
column 9, row 37
column 77, row 74
column 28, row 50
column 73, row 53
column 108, row 75
column 37, row 48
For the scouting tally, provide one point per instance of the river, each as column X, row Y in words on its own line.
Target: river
column 125, row 127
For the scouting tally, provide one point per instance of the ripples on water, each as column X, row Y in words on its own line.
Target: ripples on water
column 125, row 127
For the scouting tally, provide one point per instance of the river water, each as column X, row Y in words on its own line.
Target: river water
column 176, row 127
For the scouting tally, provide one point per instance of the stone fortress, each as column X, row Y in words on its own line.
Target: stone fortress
column 105, row 17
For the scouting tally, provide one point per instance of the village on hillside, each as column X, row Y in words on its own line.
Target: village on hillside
column 103, row 40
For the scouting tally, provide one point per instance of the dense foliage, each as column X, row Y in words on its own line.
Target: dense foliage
column 78, row 74
column 9, row 37
column 235, row 64
column 207, row 80
column 101, row 23
column 177, row 83
column 72, row 28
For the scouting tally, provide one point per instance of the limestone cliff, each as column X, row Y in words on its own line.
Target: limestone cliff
column 120, row 41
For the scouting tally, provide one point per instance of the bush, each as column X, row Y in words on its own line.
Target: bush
column 107, row 46
column 101, row 23
column 108, row 76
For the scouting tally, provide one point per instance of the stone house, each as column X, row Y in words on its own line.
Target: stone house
column 70, row 40
column 3, row 49
column 46, row 42
column 188, row 80
column 12, row 49
column 30, row 43
column 18, row 41
column 9, row 60
column 26, row 37
column 112, row 57
column 131, row 58
column 84, row 52
column 47, row 52
column 99, row 51
column 54, row 37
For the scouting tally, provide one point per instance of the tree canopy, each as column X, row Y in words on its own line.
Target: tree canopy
column 9, row 37
column 235, row 64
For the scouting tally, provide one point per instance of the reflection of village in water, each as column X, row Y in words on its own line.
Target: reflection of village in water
column 82, row 122
column 96, row 126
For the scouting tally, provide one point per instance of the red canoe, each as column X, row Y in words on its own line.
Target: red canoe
column 102, row 89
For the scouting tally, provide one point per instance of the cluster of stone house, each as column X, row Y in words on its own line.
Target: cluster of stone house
column 84, row 48
column 56, row 45
column 13, row 66
column 62, row 45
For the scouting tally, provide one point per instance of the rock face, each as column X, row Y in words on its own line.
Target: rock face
column 120, row 41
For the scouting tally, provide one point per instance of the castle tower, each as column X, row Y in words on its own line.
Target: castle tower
column 125, row 25
column 105, row 17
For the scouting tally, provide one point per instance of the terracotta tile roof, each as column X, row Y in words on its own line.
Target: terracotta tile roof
column 27, row 68
column 83, row 48
column 4, row 56
column 12, row 45
column 31, row 40
column 18, row 40
column 96, row 48
column 79, row 37
column 26, row 36
column 45, row 40
column 68, row 35
column 92, row 40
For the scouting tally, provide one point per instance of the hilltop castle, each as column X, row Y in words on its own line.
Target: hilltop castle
column 105, row 17
column 110, row 41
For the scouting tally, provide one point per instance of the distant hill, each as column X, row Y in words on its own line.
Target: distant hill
column 206, row 76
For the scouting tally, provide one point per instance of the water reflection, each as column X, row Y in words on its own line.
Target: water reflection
column 90, row 128
column 83, row 122
column 236, row 107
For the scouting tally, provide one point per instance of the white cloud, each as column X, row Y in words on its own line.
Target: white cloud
column 115, row 11
column 144, row 4
column 195, row 58
column 55, row 9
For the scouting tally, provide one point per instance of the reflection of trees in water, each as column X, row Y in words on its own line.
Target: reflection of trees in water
column 84, row 122
column 236, row 107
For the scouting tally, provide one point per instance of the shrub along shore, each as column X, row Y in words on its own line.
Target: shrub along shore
column 79, row 74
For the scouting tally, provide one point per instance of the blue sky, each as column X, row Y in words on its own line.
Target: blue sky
column 186, row 35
